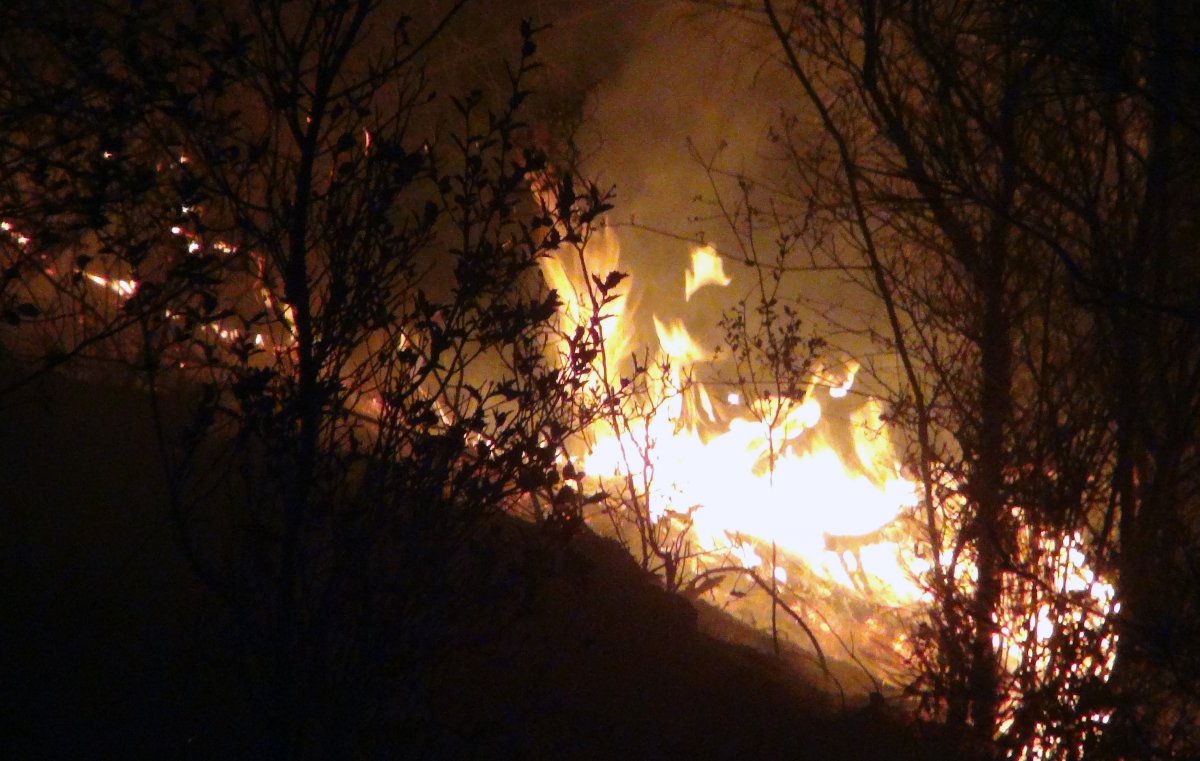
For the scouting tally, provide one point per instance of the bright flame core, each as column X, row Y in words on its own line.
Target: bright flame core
column 802, row 493
column 788, row 486
column 734, row 481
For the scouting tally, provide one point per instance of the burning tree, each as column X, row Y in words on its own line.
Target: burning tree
column 1005, row 182
column 328, row 280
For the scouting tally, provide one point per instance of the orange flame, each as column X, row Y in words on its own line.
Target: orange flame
column 783, row 484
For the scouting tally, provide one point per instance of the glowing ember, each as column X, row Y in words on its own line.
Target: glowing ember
column 123, row 288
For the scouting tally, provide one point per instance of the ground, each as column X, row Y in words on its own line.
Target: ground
column 110, row 648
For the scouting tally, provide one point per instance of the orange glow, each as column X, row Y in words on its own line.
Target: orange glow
column 797, row 493
column 780, row 483
column 581, row 299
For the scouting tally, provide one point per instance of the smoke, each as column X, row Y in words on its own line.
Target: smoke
column 650, row 91
column 662, row 88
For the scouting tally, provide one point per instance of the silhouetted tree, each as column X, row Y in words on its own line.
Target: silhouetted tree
column 1005, row 181
column 1117, row 213
column 266, row 212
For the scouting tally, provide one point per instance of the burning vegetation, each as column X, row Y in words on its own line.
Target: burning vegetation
column 375, row 324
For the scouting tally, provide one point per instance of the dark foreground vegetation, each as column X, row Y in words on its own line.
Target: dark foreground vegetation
column 111, row 648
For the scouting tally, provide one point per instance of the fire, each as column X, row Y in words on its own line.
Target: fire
column 737, row 483
column 581, row 297
column 802, row 495
column 761, row 485
column 707, row 269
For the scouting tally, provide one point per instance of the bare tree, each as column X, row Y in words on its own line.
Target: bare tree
column 1119, row 219
column 978, row 171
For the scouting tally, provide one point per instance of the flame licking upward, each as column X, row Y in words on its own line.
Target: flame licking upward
column 707, row 269
column 821, row 491
column 749, row 483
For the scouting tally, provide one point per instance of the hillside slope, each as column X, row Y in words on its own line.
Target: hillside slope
column 110, row 648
